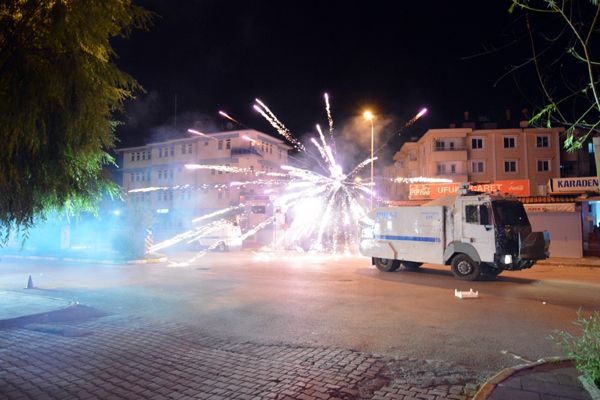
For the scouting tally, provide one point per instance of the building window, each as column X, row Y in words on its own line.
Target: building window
column 137, row 156
column 183, row 149
column 510, row 143
column 441, row 169
column 280, row 153
column 477, row 143
column 190, row 148
column 270, row 149
column 206, row 143
column 149, row 157
column 543, row 165
column 143, row 155
column 212, row 171
column 453, row 169
column 510, row 166
column 220, row 145
column 228, row 144
column 131, row 178
column 477, row 166
column 148, row 176
column 542, row 141
column 172, row 173
column 172, row 151
column 160, row 152
column 132, row 156
column 160, row 174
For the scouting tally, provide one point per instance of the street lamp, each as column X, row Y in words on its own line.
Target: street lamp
column 368, row 115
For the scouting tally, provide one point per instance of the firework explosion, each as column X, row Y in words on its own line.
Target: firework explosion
column 316, row 209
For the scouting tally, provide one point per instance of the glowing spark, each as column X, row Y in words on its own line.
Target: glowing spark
column 421, row 113
column 361, row 166
column 248, row 139
column 321, row 135
column 278, row 125
column 219, row 212
column 329, row 118
column 224, row 114
column 195, row 132
column 222, row 168
column 421, row 179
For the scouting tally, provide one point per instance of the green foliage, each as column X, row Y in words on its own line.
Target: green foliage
column 58, row 90
column 584, row 349
column 129, row 240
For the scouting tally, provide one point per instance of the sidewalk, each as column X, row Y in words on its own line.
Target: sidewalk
column 25, row 302
column 572, row 262
column 544, row 380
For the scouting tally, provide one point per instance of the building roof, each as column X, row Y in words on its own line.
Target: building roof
column 213, row 135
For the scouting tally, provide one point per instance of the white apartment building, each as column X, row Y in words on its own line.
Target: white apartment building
column 155, row 177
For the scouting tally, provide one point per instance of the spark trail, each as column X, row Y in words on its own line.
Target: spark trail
column 322, row 206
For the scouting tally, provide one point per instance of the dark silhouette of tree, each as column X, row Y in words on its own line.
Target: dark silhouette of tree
column 561, row 36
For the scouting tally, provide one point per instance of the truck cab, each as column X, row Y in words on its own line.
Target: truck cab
column 495, row 232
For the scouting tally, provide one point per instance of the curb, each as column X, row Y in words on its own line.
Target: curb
column 89, row 260
column 560, row 263
column 488, row 387
column 148, row 261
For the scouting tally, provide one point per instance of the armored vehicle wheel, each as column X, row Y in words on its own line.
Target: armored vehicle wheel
column 411, row 265
column 387, row 265
column 464, row 268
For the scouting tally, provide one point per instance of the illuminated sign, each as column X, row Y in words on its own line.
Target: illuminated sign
column 574, row 185
column 423, row 191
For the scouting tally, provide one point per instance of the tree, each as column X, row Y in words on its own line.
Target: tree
column 561, row 35
column 59, row 88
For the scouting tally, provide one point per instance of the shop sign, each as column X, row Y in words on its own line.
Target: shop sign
column 550, row 207
column 574, row 185
column 422, row 191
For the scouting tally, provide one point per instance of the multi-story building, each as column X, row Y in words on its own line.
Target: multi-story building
column 228, row 166
column 483, row 155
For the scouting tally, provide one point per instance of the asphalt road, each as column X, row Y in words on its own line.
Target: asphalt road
column 326, row 302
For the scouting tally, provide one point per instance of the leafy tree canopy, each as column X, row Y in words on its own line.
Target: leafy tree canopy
column 58, row 90
column 564, row 39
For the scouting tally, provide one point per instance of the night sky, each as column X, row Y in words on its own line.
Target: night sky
column 391, row 57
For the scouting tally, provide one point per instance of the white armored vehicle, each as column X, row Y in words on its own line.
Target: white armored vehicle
column 475, row 233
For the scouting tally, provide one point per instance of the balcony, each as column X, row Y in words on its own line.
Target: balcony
column 244, row 151
column 449, row 146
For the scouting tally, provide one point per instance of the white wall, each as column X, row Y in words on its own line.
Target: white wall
column 565, row 232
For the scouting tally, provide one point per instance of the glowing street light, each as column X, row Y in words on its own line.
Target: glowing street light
column 368, row 115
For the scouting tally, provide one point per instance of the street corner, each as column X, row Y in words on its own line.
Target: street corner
column 16, row 304
column 28, row 307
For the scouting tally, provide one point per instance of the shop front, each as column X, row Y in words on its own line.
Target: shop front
column 588, row 201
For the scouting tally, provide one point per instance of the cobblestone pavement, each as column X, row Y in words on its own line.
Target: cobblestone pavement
column 122, row 358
